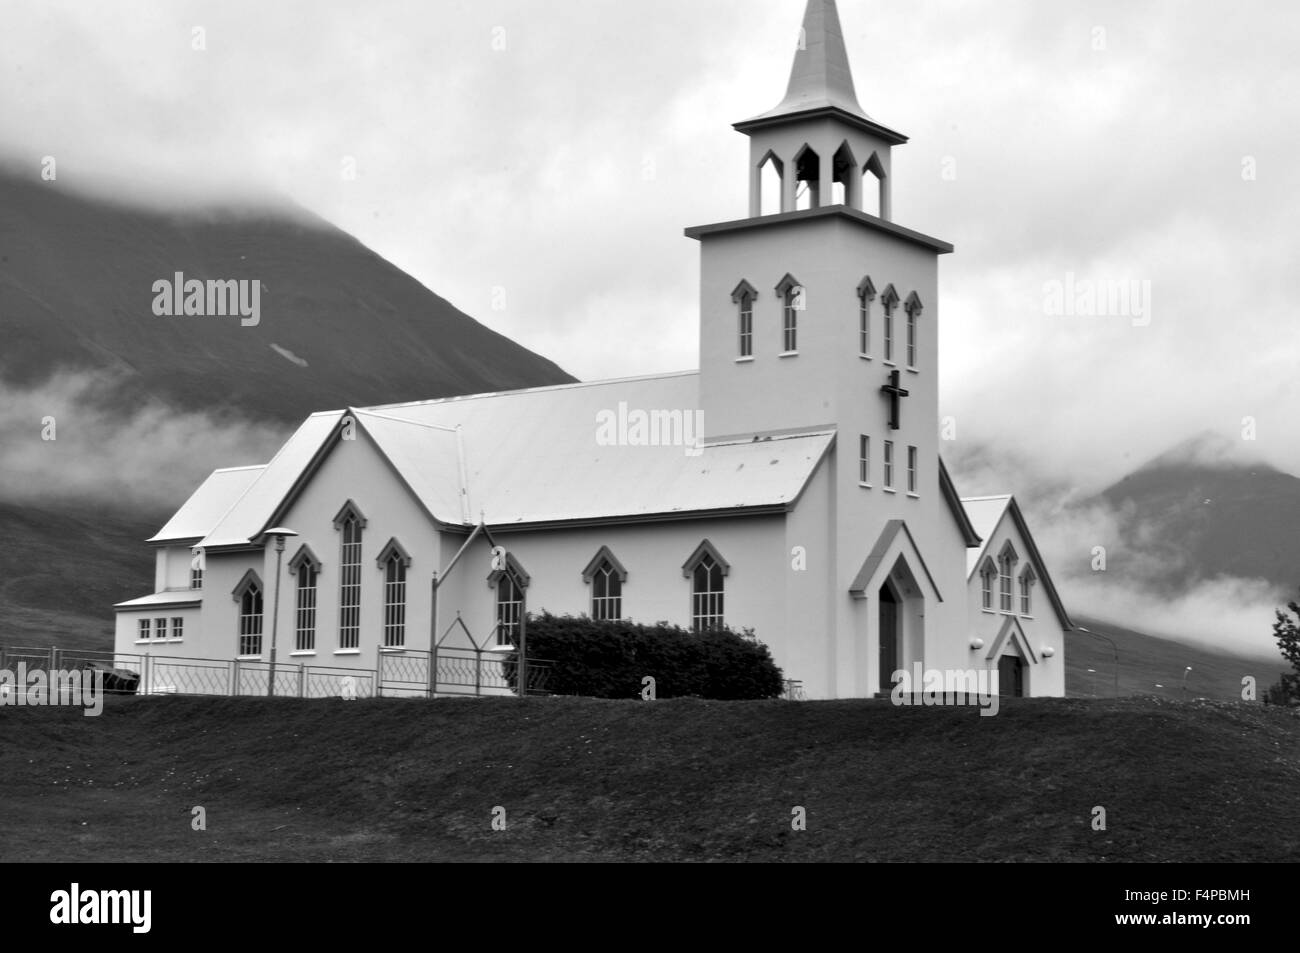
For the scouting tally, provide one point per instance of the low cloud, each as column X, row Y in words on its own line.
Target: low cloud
column 1078, row 534
column 148, row 457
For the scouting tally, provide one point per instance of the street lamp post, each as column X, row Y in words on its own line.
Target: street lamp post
column 279, row 533
column 1113, row 647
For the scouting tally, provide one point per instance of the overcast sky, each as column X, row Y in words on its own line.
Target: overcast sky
column 555, row 150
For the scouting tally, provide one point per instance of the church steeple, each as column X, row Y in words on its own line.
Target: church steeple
column 821, row 76
column 819, row 136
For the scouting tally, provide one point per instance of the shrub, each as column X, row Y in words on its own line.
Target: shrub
column 609, row 659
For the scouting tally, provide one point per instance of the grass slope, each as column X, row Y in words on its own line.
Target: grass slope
column 1147, row 661
column 62, row 567
column 583, row 779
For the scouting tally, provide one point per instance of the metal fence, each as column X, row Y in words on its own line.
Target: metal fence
column 461, row 671
column 402, row 672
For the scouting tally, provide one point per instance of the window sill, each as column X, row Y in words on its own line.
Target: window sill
column 302, row 654
column 914, row 496
column 347, row 651
column 889, row 363
column 144, row 641
column 1024, row 616
column 745, row 360
column 248, row 658
column 392, row 649
column 788, row 354
column 890, row 489
column 865, row 357
column 912, row 370
column 989, row 611
column 174, row 640
column 865, row 486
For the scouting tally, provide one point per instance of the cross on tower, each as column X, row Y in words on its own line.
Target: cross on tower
column 894, row 392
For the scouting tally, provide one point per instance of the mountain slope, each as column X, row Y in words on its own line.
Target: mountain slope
column 1200, row 511
column 338, row 324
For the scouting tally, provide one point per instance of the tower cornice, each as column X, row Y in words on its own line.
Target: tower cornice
column 858, row 218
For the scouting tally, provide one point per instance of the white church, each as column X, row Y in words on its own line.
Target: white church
column 792, row 485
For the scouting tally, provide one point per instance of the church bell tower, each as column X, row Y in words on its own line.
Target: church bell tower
column 818, row 310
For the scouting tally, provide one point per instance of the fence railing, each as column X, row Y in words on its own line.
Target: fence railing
column 400, row 672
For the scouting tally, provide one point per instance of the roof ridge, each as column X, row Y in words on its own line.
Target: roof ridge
column 533, row 390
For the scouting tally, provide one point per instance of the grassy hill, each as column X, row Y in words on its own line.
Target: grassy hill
column 63, row 566
column 1149, row 665
column 582, row 779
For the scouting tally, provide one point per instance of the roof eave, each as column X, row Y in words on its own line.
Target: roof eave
column 821, row 111
column 827, row 211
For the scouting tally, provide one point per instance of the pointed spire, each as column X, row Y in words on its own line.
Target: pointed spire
column 821, row 76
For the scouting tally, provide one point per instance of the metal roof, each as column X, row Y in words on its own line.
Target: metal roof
column 208, row 504
column 540, row 455
column 251, row 512
column 165, row 599
column 820, row 79
column 985, row 513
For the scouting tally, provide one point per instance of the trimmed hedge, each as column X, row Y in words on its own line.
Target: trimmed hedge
column 609, row 659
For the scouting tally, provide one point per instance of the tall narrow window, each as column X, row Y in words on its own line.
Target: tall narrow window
column 889, row 464
column 510, row 582
column 747, row 326
column 913, row 309
column 790, row 326
column 866, row 294
column 178, row 627
column 305, row 569
column 864, row 460
column 606, row 593
column 888, row 305
column 145, row 629
column 706, row 570
column 1026, row 586
column 510, row 604
column 394, row 602
column 249, row 595
column 393, row 562
column 160, row 628
column 987, row 573
column 606, row 575
column 1006, row 562
column 305, row 610
column 792, row 302
column 196, row 578
column 349, row 523
column 743, row 297
column 911, row 469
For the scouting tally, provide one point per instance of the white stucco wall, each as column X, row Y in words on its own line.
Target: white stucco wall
column 1044, row 675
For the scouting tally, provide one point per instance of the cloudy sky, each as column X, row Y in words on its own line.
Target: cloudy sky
column 535, row 162
column 551, row 151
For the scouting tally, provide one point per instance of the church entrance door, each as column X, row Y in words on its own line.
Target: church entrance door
column 1011, row 677
column 888, row 637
